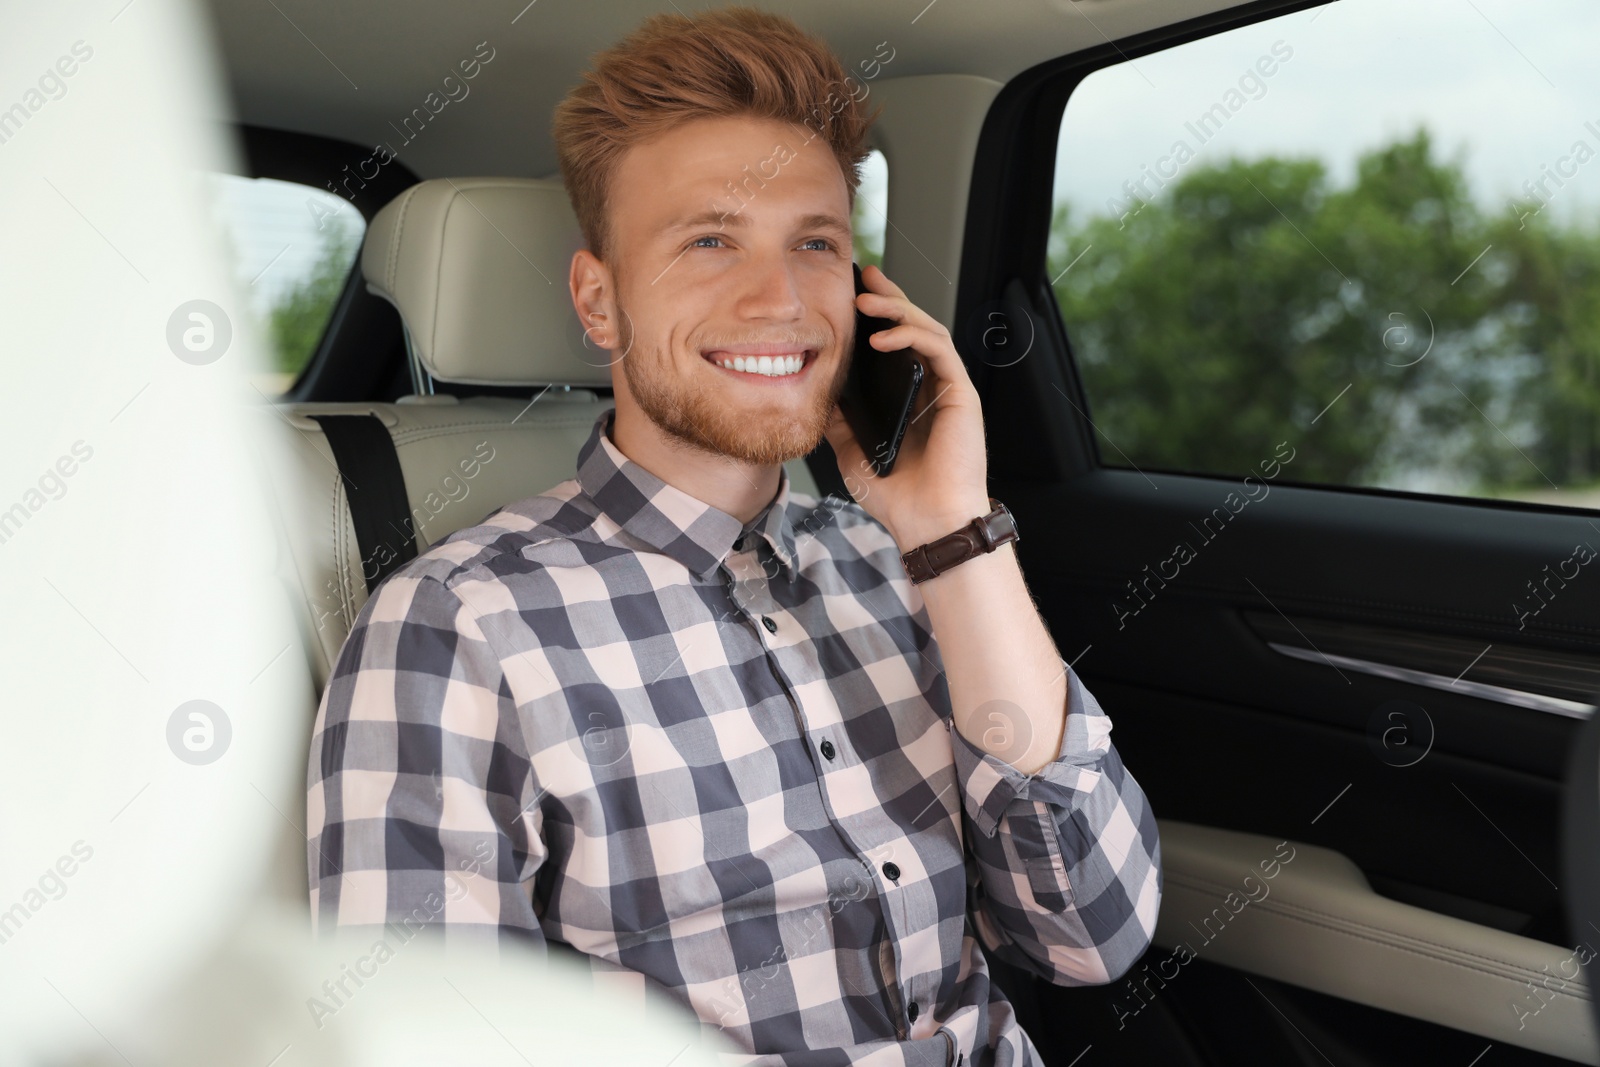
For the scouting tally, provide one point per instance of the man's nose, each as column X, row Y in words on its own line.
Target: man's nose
column 768, row 290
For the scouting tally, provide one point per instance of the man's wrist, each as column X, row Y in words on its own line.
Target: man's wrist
column 927, row 527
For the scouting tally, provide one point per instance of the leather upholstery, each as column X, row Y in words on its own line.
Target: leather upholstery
column 461, row 460
column 478, row 270
column 1308, row 916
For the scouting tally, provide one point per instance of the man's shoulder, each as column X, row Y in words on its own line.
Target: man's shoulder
column 525, row 535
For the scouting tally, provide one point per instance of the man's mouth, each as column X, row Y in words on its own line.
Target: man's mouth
column 762, row 361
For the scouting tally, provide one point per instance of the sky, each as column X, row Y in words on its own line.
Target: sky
column 1511, row 83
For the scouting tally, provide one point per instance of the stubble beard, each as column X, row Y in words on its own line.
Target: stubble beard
column 698, row 420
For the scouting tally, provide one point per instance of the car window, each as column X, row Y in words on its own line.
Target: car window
column 870, row 217
column 292, row 247
column 1365, row 236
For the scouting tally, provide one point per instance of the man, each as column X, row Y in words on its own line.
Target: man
column 703, row 728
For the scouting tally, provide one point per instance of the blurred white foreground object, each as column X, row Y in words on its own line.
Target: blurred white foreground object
column 270, row 999
column 158, row 707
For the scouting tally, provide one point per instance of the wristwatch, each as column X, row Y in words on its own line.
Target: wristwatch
column 982, row 535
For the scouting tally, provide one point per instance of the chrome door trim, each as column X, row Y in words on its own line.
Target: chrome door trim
column 1521, row 698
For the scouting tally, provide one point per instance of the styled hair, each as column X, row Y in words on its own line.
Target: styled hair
column 734, row 61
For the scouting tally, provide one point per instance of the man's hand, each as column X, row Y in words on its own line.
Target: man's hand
column 940, row 479
column 997, row 651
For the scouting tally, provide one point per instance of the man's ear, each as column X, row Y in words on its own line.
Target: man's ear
column 594, row 299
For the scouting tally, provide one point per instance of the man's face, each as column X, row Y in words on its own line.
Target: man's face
column 731, row 240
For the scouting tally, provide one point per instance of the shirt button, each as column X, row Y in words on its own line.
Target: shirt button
column 771, row 626
column 827, row 750
column 891, row 871
column 911, row 1012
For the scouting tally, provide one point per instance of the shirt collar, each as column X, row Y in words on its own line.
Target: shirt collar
column 669, row 520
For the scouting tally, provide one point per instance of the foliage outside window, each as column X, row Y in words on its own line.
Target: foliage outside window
column 292, row 249
column 1392, row 314
column 870, row 216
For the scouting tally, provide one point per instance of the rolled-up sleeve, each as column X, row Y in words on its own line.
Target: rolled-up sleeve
column 1064, row 865
column 420, row 804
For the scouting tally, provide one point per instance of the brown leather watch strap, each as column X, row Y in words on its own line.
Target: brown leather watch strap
column 983, row 534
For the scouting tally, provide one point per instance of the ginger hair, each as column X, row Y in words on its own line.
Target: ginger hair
column 734, row 61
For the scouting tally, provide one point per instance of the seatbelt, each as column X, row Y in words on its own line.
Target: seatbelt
column 823, row 463
column 376, row 489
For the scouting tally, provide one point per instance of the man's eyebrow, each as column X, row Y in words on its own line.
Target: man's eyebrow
column 736, row 217
column 826, row 222
column 706, row 218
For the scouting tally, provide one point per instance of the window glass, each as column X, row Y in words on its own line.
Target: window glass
column 292, row 247
column 870, row 216
column 1366, row 235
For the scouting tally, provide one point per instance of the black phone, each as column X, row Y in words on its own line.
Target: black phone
column 879, row 391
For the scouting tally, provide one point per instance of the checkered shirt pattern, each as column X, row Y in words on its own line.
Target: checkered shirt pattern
column 717, row 759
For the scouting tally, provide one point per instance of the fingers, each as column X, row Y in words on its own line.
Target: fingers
column 878, row 281
column 934, row 346
column 908, row 335
column 917, row 330
column 895, row 308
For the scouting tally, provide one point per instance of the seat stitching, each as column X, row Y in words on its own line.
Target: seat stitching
column 438, row 277
column 399, row 230
column 346, row 594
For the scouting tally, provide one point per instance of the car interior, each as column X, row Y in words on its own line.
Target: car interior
column 1363, row 714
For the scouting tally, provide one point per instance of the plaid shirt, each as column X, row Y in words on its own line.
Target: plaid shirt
column 719, row 760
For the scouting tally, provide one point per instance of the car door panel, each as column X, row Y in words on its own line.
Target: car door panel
column 1389, row 681
column 1222, row 902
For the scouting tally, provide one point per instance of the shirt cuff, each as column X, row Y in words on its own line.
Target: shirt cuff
column 990, row 784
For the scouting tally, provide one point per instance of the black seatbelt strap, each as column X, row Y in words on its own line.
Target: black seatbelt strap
column 376, row 489
column 824, row 466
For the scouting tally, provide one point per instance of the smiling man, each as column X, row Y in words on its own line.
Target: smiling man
column 748, row 751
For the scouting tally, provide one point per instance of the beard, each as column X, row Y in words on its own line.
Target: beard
column 701, row 420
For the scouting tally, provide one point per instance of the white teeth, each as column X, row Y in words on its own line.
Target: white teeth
column 780, row 367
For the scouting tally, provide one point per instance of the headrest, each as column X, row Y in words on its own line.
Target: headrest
column 478, row 270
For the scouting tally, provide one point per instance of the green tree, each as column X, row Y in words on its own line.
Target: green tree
column 301, row 314
column 1255, row 302
column 867, row 226
column 1552, row 287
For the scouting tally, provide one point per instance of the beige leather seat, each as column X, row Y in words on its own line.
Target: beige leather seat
column 478, row 270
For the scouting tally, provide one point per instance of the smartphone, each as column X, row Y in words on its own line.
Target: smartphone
column 879, row 391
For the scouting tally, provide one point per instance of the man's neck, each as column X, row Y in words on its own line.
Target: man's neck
column 740, row 489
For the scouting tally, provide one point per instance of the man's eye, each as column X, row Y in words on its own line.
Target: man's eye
column 823, row 241
column 697, row 242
